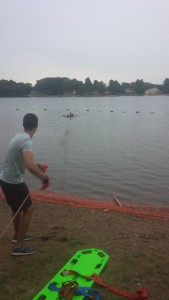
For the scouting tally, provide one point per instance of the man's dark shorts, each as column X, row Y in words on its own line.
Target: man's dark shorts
column 15, row 194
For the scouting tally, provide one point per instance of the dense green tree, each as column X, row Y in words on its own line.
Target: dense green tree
column 51, row 85
column 82, row 90
column 88, row 86
column 139, row 87
column 115, row 87
column 99, row 86
column 165, row 86
column 57, row 85
column 24, row 88
column 76, row 84
column 125, row 86
column 9, row 88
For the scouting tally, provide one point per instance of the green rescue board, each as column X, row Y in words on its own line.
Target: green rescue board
column 85, row 262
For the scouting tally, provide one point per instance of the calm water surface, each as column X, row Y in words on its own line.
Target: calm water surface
column 116, row 145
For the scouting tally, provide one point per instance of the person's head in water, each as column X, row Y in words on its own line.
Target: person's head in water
column 30, row 122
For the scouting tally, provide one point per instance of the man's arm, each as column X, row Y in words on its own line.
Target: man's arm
column 32, row 167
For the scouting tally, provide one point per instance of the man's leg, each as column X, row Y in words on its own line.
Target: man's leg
column 22, row 224
column 16, row 222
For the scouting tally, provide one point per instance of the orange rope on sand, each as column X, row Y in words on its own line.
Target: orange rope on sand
column 141, row 211
column 147, row 212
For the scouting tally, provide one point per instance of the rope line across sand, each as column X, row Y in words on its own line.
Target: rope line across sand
column 147, row 212
column 141, row 211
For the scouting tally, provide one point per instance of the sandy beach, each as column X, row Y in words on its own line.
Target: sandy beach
column 137, row 246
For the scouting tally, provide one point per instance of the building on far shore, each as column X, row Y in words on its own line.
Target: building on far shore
column 129, row 92
column 153, row 91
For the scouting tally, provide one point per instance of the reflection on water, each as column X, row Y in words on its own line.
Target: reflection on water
column 116, row 145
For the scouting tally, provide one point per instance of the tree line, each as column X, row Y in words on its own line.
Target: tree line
column 59, row 86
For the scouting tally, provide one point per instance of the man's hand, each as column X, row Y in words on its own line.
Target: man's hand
column 36, row 170
column 45, row 183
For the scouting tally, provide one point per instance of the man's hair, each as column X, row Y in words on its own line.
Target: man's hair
column 30, row 121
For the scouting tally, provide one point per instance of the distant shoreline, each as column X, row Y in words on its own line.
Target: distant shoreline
column 81, row 96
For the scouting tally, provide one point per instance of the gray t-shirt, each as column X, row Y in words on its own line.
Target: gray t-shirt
column 14, row 169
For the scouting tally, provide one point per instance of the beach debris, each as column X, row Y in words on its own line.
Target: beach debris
column 117, row 200
column 105, row 210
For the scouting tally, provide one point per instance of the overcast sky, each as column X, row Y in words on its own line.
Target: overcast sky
column 123, row 40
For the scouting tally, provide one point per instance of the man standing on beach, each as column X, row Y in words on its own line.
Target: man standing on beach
column 19, row 157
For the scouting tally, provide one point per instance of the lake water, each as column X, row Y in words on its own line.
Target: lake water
column 114, row 145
